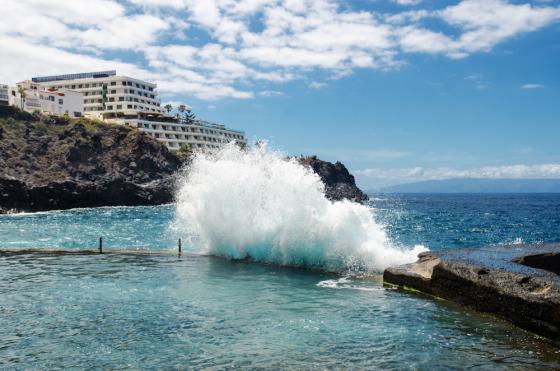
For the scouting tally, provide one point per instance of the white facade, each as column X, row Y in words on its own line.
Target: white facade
column 107, row 95
column 175, row 133
column 61, row 101
column 54, row 101
column 135, row 103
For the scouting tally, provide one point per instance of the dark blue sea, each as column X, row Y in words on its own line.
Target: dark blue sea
column 161, row 311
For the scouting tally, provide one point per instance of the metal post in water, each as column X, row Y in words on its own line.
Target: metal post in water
column 101, row 245
column 179, row 246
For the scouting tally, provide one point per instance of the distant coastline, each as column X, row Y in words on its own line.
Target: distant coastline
column 475, row 185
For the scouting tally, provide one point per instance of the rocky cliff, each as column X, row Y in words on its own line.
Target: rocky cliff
column 339, row 183
column 55, row 163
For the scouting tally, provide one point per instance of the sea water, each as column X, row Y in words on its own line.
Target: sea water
column 306, row 293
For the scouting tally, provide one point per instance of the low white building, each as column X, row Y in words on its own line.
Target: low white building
column 197, row 135
column 52, row 101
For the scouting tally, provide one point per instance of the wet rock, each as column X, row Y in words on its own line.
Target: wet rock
column 506, row 281
column 339, row 183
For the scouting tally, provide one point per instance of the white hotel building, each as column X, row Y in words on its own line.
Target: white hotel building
column 135, row 103
column 53, row 101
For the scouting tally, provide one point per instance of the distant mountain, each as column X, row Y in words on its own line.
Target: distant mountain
column 477, row 186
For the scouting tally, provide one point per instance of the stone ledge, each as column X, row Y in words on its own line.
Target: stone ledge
column 502, row 280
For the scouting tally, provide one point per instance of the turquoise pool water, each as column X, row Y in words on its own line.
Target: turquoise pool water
column 159, row 311
column 164, row 312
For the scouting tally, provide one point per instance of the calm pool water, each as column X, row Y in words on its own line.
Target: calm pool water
column 159, row 311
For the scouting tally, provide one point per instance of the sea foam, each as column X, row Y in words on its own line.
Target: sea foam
column 262, row 206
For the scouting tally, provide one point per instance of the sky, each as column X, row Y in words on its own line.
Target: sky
column 397, row 90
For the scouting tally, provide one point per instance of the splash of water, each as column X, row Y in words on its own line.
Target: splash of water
column 259, row 205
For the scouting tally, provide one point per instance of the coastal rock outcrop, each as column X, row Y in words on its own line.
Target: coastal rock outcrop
column 56, row 163
column 49, row 163
column 339, row 183
column 520, row 283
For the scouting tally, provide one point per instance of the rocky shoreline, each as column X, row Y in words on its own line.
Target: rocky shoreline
column 49, row 163
column 520, row 283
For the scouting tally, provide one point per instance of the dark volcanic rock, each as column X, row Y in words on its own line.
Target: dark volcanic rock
column 50, row 164
column 55, row 163
column 339, row 183
column 518, row 283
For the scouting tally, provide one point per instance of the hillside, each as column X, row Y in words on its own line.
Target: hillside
column 48, row 163
column 54, row 163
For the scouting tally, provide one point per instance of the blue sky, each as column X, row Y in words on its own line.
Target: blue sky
column 398, row 90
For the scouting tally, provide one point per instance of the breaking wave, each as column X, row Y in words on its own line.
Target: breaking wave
column 262, row 206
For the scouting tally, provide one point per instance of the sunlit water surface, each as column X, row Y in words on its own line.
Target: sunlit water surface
column 161, row 311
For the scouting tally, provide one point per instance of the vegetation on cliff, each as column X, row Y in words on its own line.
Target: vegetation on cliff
column 57, row 163
column 51, row 163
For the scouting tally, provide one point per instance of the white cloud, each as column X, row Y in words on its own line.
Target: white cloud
column 489, row 172
column 407, row 2
column 270, row 93
column 215, row 49
column 482, row 23
column 532, row 86
column 316, row 85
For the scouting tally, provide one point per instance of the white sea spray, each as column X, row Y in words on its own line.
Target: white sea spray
column 260, row 205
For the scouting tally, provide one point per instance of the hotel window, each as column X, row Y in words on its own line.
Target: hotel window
column 86, row 85
column 138, row 86
column 109, row 108
column 144, row 87
column 113, row 92
column 128, row 83
column 119, row 106
column 80, row 86
column 121, row 99
column 129, row 106
column 60, row 101
column 113, row 83
column 73, row 86
column 124, row 83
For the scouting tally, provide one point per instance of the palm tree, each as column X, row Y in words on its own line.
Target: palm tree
column 168, row 107
column 22, row 95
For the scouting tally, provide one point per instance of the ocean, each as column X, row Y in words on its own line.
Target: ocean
column 162, row 311
column 310, row 297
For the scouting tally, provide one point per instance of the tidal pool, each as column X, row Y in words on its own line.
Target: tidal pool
column 154, row 311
